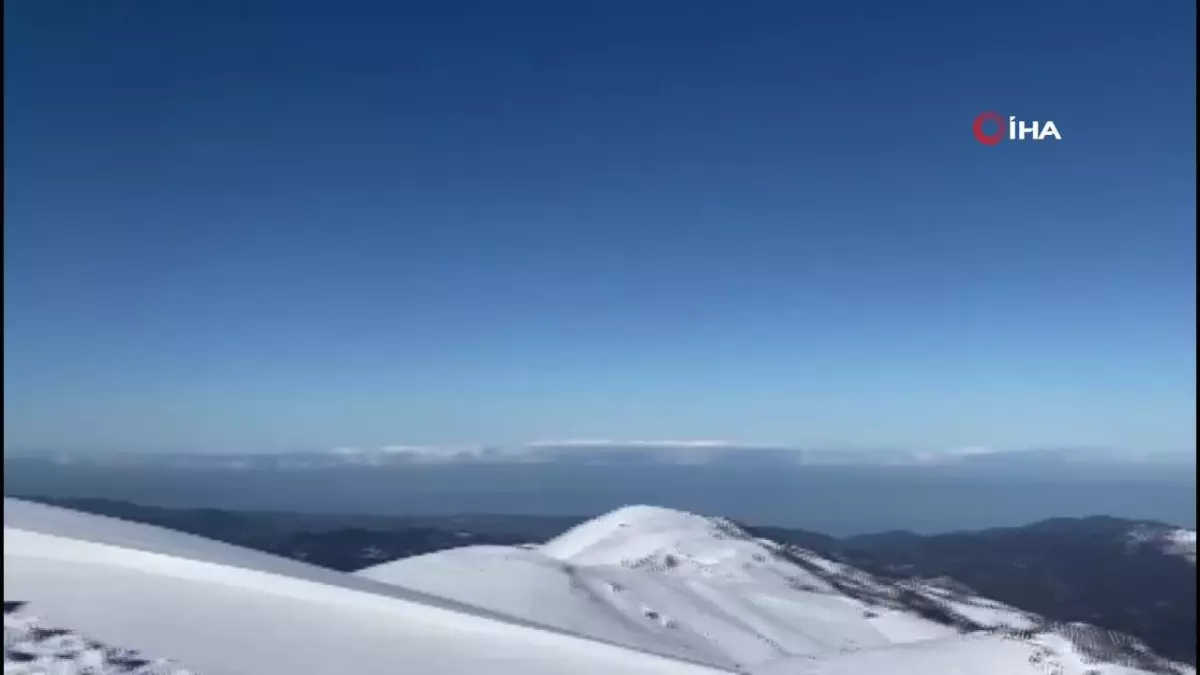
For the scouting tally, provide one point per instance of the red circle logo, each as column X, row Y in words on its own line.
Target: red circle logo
column 986, row 138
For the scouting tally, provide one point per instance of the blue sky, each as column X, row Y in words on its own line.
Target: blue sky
column 268, row 225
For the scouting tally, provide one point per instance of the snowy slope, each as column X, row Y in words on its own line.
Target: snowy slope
column 1183, row 543
column 31, row 646
column 640, row 590
column 1170, row 540
column 685, row 585
column 220, row 610
column 974, row 654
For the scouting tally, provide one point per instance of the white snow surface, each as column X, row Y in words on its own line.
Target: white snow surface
column 700, row 588
column 1172, row 541
column 685, row 585
column 221, row 610
column 33, row 648
column 640, row 590
column 975, row 654
column 1182, row 543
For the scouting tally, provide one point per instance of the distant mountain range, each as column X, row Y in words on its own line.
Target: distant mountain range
column 1136, row 577
column 844, row 494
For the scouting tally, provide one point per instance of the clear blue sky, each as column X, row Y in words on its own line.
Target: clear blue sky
column 261, row 225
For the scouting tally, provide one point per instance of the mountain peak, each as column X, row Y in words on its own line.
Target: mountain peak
column 632, row 535
column 641, row 589
column 701, row 588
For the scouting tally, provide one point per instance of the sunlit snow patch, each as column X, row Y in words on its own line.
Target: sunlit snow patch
column 32, row 647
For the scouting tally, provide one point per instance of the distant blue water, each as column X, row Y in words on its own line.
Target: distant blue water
column 839, row 501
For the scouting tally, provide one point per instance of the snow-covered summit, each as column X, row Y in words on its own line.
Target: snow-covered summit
column 700, row 588
column 631, row 533
column 221, row 610
column 639, row 590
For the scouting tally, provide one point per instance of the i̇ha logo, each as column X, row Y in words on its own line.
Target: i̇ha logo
column 1015, row 130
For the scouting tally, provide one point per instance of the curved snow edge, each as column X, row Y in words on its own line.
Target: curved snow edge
column 52, row 547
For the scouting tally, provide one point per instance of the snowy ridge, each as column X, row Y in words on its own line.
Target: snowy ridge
column 224, row 611
column 639, row 590
column 685, row 585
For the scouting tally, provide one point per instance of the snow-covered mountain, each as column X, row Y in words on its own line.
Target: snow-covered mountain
column 640, row 590
column 220, row 610
column 1170, row 540
column 703, row 589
